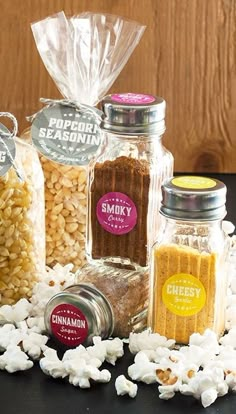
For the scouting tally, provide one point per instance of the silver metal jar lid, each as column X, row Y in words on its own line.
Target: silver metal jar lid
column 193, row 198
column 133, row 114
column 77, row 314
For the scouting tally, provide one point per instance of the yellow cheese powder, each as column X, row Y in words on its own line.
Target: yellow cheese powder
column 187, row 292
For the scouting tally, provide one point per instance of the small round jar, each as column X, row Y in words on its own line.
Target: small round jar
column 77, row 314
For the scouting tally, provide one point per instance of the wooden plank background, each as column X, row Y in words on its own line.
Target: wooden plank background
column 187, row 55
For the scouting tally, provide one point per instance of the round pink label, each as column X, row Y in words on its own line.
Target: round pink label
column 69, row 325
column 116, row 213
column 133, row 98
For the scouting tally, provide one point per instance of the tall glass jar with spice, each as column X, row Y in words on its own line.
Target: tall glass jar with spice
column 125, row 181
column 188, row 265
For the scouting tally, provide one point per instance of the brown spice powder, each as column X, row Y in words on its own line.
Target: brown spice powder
column 126, row 290
column 131, row 177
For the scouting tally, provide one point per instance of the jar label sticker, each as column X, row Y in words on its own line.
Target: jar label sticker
column 133, row 98
column 183, row 294
column 7, row 150
column 194, row 182
column 116, row 213
column 68, row 325
column 66, row 135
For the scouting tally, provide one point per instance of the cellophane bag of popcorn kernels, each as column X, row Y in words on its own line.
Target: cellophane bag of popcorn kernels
column 22, row 230
column 65, row 210
column 84, row 55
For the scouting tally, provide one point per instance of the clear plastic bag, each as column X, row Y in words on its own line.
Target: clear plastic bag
column 22, row 234
column 84, row 55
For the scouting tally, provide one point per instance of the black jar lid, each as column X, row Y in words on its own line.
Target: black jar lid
column 77, row 314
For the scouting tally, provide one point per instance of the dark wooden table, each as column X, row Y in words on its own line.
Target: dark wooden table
column 32, row 392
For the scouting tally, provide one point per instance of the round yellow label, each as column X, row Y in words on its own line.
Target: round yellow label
column 183, row 294
column 194, row 183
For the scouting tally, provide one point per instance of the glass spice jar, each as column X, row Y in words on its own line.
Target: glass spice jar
column 90, row 307
column 77, row 314
column 127, row 292
column 125, row 181
column 188, row 265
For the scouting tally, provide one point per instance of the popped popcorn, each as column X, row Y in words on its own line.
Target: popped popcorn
column 231, row 381
column 17, row 312
column 24, row 321
column 229, row 338
column 170, row 372
column 51, row 365
column 114, row 348
column 228, row 226
column 147, row 340
column 109, row 350
column 207, row 341
column 33, row 344
column 9, row 335
column 76, row 365
column 80, row 373
column 206, row 385
column 196, row 354
column 52, row 282
column 205, row 369
column 36, row 324
column 81, row 364
column 124, row 386
column 168, row 391
column 83, row 353
column 14, row 360
column 142, row 369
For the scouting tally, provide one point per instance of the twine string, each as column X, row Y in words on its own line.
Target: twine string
column 90, row 110
column 13, row 135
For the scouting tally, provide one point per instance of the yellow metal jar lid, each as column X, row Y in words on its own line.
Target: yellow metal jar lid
column 193, row 198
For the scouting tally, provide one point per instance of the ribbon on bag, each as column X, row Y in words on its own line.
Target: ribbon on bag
column 66, row 131
column 66, row 102
column 7, row 146
column 14, row 121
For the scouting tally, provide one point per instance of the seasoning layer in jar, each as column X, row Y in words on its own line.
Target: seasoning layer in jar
column 131, row 177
